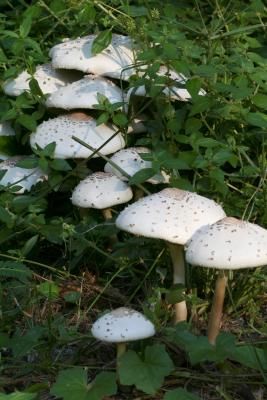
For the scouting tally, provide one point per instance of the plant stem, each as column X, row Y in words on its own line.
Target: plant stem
column 177, row 257
column 217, row 308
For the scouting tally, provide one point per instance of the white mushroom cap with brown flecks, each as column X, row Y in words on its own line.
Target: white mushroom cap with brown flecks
column 228, row 244
column 171, row 214
column 48, row 79
column 83, row 93
column 17, row 176
column 61, row 129
column 111, row 62
column 122, row 325
column 101, row 190
column 130, row 161
column 173, row 91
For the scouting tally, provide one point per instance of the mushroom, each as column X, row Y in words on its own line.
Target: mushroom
column 48, row 79
column 7, row 134
column 113, row 61
column 121, row 326
column 83, row 93
column 228, row 244
column 17, row 176
column 130, row 161
column 101, row 190
column 61, row 129
column 172, row 215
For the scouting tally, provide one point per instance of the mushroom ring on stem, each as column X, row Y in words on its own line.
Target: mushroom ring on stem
column 228, row 244
column 172, row 215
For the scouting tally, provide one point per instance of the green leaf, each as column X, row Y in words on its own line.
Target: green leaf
column 203, row 103
column 25, row 27
column 27, row 121
column 72, row 384
column 141, row 176
column 49, row 290
column 120, row 119
column 18, row 396
column 29, row 162
column 23, row 344
column 180, row 394
column 6, row 216
column 8, row 145
column 175, row 163
column 102, row 41
column 250, row 356
column 49, row 149
column 260, row 100
column 29, row 245
column 60, row 165
column 148, row 374
column 175, row 294
column 16, row 270
column 193, row 86
column 257, row 119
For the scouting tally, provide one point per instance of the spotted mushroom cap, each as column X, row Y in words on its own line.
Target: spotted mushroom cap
column 16, row 176
column 174, row 91
column 101, row 190
column 48, row 79
column 83, row 93
column 61, row 129
column 131, row 162
column 122, row 325
column 228, row 244
column 77, row 54
column 171, row 214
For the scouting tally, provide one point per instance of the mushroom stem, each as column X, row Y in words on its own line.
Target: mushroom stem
column 177, row 257
column 217, row 307
column 121, row 348
column 138, row 194
column 107, row 214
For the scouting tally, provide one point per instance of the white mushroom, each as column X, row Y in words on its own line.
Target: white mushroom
column 130, row 161
column 122, row 325
column 61, row 130
column 172, row 215
column 83, row 93
column 101, row 190
column 114, row 61
column 23, row 177
column 227, row 244
column 48, row 79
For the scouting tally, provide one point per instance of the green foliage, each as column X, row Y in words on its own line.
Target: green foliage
column 180, row 394
column 72, row 383
column 18, row 396
column 146, row 373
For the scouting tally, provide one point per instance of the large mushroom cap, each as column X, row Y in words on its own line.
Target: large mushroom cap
column 16, row 176
column 228, row 244
column 83, row 93
column 48, row 79
column 174, row 90
column 101, row 190
column 112, row 61
column 172, row 215
column 130, row 161
column 122, row 325
column 61, row 129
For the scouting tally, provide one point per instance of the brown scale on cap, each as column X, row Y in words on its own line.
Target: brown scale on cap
column 79, row 116
column 122, row 312
column 101, row 175
column 175, row 193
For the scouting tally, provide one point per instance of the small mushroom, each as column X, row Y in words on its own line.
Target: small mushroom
column 228, row 244
column 61, row 129
column 121, row 326
column 172, row 215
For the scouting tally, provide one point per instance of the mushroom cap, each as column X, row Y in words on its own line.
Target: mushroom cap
column 131, row 162
column 6, row 129
column 14, row 174
column 101, row 190
column 77, row 54
column 228, row 244
column 171, row 214
column 174, row 92
column 48, row 79
column 122, row 325
column 83, row 93
column 61, row 129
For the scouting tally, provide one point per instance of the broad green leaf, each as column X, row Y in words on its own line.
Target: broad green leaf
column 16, row 270
column 49, row 290
column 148, row 374
column 102, row 41
column 260, row 100
column 120, row 119
column 257, row 119
column 18, row 396
column 203, row 103
column 6, row 216
column 175, row 163
column 193, row 86
column 29, row 245
column 250, row 356
column 180, row 394
column 141, row 176
column 29, row 162
column 72, row 384
column 27, row 121
column 175, row 294
column 49, row 149
column 23, row 344
column 25, row 27
column 60, row 165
